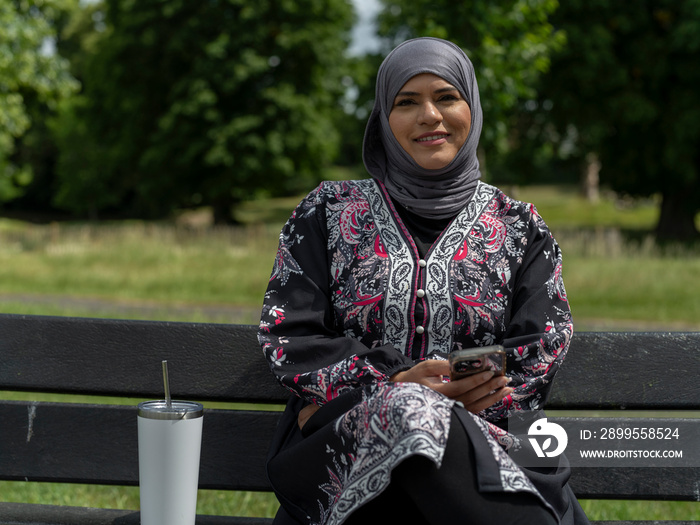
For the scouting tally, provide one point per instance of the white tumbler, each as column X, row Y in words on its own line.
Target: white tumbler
column 170, row 439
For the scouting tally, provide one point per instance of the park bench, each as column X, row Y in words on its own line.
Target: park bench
column 97, row 444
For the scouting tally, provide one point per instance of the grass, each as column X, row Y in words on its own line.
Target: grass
column 659, row 290
column 161, row 271
column 563, row 208
column 600, row 510
column 139, row 262
column 60, row 305
column 213, row 502
column 225, row 503
column 615, row 277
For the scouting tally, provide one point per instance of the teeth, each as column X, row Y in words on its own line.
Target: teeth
column 432, row 137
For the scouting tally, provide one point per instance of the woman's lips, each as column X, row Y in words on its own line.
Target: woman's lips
column 430, row 139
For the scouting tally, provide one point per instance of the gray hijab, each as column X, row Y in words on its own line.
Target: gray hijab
column 435, row 194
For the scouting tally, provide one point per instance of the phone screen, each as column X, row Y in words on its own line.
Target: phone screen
column 472, row 361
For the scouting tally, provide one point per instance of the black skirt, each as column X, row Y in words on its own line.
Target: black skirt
column 404, row 448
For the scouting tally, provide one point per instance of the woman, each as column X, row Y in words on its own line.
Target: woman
column 374, row 283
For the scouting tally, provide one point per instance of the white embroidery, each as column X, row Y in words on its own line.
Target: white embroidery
column 440, row 295
column 397, row 303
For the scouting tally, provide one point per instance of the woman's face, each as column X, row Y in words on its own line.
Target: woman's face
column 431, row 120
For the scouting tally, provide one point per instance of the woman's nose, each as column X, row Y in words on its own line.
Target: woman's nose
column 429, row 114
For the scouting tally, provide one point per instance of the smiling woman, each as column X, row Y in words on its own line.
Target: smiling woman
column 375, row 283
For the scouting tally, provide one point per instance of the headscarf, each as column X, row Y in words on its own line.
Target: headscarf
column 435, row 194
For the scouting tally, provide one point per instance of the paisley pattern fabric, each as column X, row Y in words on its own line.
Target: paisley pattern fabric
column 350, row 302
column 392, row 423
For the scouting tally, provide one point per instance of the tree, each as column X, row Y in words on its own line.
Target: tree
column 205, row 103
column 33, row 79
column 626, row 89
column 509, row 42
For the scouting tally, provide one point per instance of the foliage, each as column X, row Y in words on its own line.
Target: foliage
column 356, row 105
column 625, row 87
column 32, row 81
column 509, row 43
column 204, row 103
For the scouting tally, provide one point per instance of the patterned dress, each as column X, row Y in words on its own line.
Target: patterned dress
column 351, row 301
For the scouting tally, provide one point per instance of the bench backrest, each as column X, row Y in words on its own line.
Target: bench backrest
column 213, row 362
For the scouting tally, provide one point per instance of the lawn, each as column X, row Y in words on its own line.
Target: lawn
column 615, row 277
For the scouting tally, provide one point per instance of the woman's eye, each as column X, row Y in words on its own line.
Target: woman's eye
column 404, row 102
column 448, row 98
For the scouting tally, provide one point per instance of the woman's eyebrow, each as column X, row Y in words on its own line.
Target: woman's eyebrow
column 446, row 89
column 407, row 94
column 416, row 94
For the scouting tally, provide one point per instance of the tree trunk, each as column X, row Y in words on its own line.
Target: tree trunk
column 591, row 179
column 677, row 218
column 223, row 211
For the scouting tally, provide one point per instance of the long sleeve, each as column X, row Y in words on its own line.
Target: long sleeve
column 539, row 328
column 303, row 343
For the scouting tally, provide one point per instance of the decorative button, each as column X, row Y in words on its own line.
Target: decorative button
column 419, row 329
column 420, row 293
column 422, row 263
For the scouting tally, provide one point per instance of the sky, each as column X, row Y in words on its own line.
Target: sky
column 364, row 37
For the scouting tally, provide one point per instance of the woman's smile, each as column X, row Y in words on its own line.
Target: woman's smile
column 432, row 139
column 430, row 120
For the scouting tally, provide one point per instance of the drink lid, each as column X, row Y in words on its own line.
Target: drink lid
column 176, row 410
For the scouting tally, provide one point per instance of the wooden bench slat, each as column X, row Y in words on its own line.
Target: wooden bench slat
column 652, row 371
column 647, row 371
column 206, row 361
column 98, row 444
column 672, row 484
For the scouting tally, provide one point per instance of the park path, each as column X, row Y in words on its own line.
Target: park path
column 237, row 314
column 97, row 307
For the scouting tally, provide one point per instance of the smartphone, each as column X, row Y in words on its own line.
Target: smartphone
column 471, row 361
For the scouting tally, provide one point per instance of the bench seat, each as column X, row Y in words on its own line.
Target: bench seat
column 96, row 443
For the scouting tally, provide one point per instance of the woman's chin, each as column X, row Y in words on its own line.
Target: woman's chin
column 433, row 164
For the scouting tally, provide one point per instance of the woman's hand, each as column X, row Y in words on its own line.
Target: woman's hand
column 305, row 413
column 476, row 392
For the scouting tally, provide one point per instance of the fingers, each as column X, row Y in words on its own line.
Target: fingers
column 488, row 400
column 460, row 387
column 476, row 392
column 427, row 373
column 485, row 395
column 479, row 391
column 305, row 413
